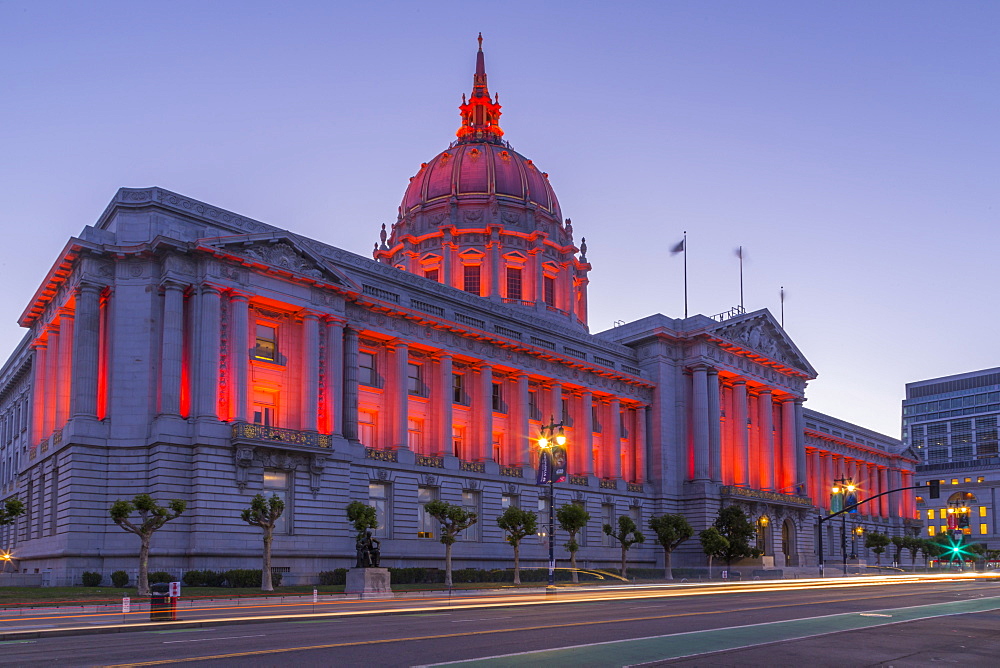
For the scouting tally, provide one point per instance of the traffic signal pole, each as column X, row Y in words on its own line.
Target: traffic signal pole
column 851, row 507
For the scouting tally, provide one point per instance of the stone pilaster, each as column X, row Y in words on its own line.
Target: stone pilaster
column 351, row 384
column 714, row 426
column 741, row 436
column 86, row 343
column 239, row 309
column 310, row 371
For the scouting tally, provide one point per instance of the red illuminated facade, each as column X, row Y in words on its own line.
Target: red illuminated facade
column 194, row 353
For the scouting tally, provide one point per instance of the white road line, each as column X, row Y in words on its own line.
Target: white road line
column 169, row 642
column 478, row 619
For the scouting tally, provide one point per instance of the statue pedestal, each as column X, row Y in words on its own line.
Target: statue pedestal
column 369, row 582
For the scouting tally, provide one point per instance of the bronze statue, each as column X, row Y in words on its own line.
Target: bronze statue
column 369, row 552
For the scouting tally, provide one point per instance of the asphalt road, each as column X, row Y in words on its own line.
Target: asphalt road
column 744, row 626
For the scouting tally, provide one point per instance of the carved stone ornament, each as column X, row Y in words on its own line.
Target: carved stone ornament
column 472, row 485
column 429, row 480
column 284, row 256
column 511, row 489
column 243, row 458
column 756, row 335
column 382, row 474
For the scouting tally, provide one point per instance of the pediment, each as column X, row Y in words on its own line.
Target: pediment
column 758, row 333
column 279, row 252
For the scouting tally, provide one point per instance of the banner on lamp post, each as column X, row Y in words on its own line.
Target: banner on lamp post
column 551, row 465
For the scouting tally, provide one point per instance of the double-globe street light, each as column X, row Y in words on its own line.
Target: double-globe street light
column 551, row 449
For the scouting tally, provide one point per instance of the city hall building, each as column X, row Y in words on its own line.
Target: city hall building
column 193, row 353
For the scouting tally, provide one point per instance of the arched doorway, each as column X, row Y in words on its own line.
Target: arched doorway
column 762, row 543
column 788, row 547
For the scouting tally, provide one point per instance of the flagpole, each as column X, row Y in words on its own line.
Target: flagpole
column 741, row 279
column 782, row 306
column 685, row 274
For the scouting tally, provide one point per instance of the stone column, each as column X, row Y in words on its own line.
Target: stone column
column 800, row 445
column 895, row 482
column 586, row 432
column 172, row 349
column 52, row 379
column 788, row 452
column 494, row 277
column 615, row 451
column 714, row 426
column 86, row 342
column 765, row 407
column 39, row 366
column 334, row 381
column 443, row 444
column 883, row 485
column 310, row 371
column 555, row 403
column 742, row 441
column 401, row 396
column 484, row 448
column 350, row 384
column 640, row 443
column 521, row 447
column 208, row 357
column 239, row 309
column 538, row 275
column 699, row 428
column 65, row 366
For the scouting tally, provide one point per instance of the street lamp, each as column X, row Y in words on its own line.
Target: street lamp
column 551, row 443
column 5, row 557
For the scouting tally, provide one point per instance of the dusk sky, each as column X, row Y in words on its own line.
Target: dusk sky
column 852, row 148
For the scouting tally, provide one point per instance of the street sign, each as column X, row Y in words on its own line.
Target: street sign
column 126, row 605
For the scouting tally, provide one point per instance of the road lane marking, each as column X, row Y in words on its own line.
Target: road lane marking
column 466, row 634
column 636, row 652
column 479, row 619
column 170, row 642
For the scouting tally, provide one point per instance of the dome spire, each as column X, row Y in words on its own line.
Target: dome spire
column 480, row 115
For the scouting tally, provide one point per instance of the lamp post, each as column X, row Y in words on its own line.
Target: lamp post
column 552, row 436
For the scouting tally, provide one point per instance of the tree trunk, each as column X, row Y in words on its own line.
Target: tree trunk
column 624, row 565
column 572, row 559
column 265, row 572
column 668, row 571
column 517, row 564
column 142, row 583
column 447, row 565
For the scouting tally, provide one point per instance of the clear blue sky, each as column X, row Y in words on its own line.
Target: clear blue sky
column 851, row 147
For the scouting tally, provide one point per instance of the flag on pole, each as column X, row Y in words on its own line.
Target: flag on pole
column 739, row 252
column 679, row 248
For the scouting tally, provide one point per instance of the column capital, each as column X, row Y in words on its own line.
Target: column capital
column 334, row 321
column 237, row 296
column 441, row 355
column 738, row 381
column 210, row 288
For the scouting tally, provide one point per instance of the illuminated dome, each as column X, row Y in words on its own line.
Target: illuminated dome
column 482, row 218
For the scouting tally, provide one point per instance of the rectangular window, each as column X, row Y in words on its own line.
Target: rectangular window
column 427, row 526
column 984, row 529
column 623, row 424
column 379, row 497
column 498, row 404
column 968, row 480
column 954, row 481
column 415, row 435
column 266, row 346
column 367, row 421
column 549, row 284
column 607, row 517
column 510, row 501
column 930, row 531
column 498, row 448
column 276, row 482
column 514, row 283
column 471, row 281
column 470, row 503
column 533, row 412
column 636, row 513
column 567, row 414
column 595, row 418
column 458, row 442
column 264, row 415
column 415, row 379
column 458, row 388
column 981, row 479
column 432, row 274
column 982, row 511
column 367, row 372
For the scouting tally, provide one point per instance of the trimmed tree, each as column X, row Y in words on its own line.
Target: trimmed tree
column 572, row 518
column 627, row 535
column 899, row 542
column 12, row 509
column 877, row 542
column 671, row 531
column 454, row 520
column 518, row 524
column 912, row 543
column 362, row 516
column 714, row 544
column 738, row 531
column 264, row 513
column 152, row 516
